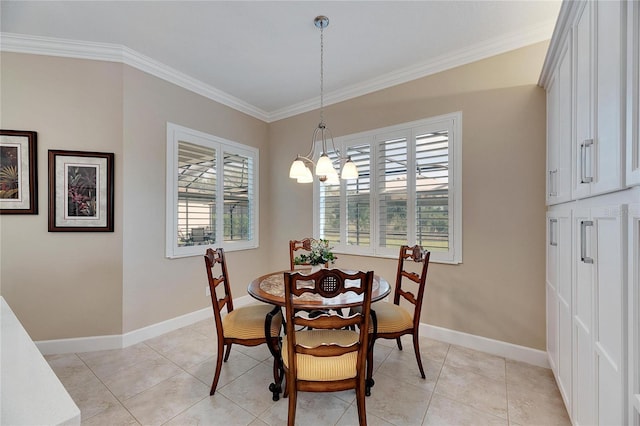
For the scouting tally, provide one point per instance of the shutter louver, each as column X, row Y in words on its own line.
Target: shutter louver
column 392, row 192
column 238, row 188
column 330, row 208
column 196, row 194
column 432, row 190
column 359, row 198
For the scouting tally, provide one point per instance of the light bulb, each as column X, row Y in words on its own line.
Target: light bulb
column 306, row 177
column 333, row 179
column 297, row 169
column 324, row 166
column 349, row 170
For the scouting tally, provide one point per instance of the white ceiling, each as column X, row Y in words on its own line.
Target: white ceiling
column 266, row 54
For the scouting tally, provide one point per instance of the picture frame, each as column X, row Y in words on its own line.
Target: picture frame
column 18, row 172
column 81, row 192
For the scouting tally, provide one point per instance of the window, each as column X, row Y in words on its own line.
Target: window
column 212, row 196
column 408, row 191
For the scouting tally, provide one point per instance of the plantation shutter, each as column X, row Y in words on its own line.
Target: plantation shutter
column 196, row 194
column 358, row 194
column 432, row 190
column 238, row 188
column 330, row 208
column 392, row 191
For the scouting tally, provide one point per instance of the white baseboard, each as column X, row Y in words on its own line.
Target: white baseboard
column 100, row 343
column 483, row 344
column 79, row 344
column 154, row 330
column 119, row 341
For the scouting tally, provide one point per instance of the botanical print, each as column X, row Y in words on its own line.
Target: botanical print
column 80, row 191
column 18, row 172
column 82, row 195
column 10, row 172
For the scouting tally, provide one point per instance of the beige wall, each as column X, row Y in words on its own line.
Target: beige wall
column 65, row 285
column 498, row 290
column 156, row 288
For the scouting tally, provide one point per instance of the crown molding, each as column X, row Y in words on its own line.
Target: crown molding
column 37, row 45
column 566, row 18
column 454, row 59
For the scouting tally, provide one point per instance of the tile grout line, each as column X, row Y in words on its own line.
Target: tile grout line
column 237, row 378
column 506, row 391
column 435, row 385
column 108, row 390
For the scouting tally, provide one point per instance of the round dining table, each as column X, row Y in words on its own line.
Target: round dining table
column 269, row 288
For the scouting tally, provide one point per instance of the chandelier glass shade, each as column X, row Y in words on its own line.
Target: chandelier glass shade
column 325, row 170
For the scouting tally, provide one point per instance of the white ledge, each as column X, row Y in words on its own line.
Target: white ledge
column 31, row 393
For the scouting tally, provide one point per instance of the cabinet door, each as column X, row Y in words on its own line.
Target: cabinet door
column 553, row 139
column 552, row 291
column 605, row 154
column 609, row 326
column 583, row 101
column 583, row 366
column 559, row 328
column 599, row 316
column 634, row 315
column 565, row 125
column 559, row 129
column 599, row 101
column 633, row 93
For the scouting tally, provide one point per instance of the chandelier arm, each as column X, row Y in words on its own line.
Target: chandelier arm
column 305, row 159
column 333, row 145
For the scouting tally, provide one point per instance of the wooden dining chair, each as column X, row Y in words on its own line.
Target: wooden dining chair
column 392, row 320
column 304, row 246
column 327, row 356
column 245, row 326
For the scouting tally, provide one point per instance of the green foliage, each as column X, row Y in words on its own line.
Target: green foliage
column 320, row 253
column 9, row 182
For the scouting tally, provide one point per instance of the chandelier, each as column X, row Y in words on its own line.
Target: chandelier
column 324, row 168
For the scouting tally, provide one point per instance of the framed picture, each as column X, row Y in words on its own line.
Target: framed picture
column 80, row 191
column 18, row 172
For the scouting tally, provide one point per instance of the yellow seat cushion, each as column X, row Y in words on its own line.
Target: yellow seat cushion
column 248, row 322
column 391, row 318
column 322, row 369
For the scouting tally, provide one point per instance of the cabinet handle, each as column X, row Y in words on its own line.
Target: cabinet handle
column 553, row 183
column 552, row 235
column 587, row 143
column 583, row 241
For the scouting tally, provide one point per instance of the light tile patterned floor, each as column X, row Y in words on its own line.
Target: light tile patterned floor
column 166, row 380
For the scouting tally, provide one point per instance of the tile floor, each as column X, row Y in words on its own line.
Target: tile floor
column 166, row 380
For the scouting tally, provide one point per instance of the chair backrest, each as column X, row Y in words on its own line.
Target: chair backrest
column 419, row 256
column 214, row 259
column 303, row 245
column 328, row 283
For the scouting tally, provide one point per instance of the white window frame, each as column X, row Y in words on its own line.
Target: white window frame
column 177, row 133
column 451, row 121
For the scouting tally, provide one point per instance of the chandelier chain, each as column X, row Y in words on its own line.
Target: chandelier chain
column 322, row 74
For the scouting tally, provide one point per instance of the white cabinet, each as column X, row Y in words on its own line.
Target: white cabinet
column 593, row 292
column 598, row 35
column 599, row 315
column 559, row 130
column 634, row 314
column 633, row 93
column 559, row 299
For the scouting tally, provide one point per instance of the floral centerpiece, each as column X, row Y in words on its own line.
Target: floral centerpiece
column 319, row 254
